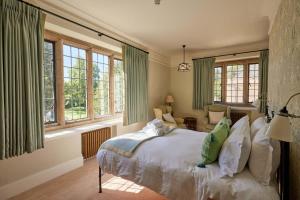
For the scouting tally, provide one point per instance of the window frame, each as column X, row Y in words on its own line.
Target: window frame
column 54, row 83
column 222, row 84
column 110, row 111
column 59, row 40
column 246, row 63
column 71, row 44
column 118, row 59
column 253, row 63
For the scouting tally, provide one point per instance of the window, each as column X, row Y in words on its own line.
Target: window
column 241, row 81
column 119, row 86
column 218, row 84
column 85, row 85
column 235, row 82
column 253, row 82
column 49, row 83
column 75, row 83
column 101, row 84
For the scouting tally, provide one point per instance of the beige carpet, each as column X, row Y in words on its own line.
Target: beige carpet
column 82, row 183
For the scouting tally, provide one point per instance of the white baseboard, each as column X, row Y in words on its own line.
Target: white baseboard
column 36, row 179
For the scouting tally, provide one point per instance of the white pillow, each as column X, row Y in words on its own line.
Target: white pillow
column 258, row 124
column 265, row 157
column 168, row 117
column 236, row 148
column 215, row 117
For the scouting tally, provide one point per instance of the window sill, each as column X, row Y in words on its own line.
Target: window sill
column 237, row 105
column 66, row 132
column 237, row 108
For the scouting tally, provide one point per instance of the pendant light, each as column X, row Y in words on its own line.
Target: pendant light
column 157, row 2
column 183, row 67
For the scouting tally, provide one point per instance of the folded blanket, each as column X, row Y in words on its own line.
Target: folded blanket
column 126, row 144
column 156, row 123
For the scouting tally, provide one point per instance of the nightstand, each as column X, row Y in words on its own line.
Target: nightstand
column 190, row 123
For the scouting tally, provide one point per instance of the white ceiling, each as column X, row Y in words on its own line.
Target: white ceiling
column 200, row 24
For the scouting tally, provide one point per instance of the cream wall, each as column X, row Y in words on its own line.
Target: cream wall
column 159, row 84
column 284, row 77
column 182, row 82
column 54, row 153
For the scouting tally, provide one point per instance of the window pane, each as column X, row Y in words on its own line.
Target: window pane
column 75, row 83
column 253, row 82
column 235, row 81
column 100, row 85
column 119, row 86
column 49, row 81
column 218, row 84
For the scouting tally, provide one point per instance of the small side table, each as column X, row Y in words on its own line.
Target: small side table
column 190, row 123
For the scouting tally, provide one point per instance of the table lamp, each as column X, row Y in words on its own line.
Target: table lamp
column 169, row 100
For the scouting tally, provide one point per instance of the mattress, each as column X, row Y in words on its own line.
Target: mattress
column 168, row 166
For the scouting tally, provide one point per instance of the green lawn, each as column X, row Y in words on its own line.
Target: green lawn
column 75, row 113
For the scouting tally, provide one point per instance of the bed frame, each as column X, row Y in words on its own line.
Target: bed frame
column 282, row 175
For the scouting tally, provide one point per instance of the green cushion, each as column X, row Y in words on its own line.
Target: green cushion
column 213, row 142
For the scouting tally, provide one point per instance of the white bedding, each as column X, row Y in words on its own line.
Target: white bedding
column 167, row 165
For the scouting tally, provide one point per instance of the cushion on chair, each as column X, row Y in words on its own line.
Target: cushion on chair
column 218, row 108
column 168, row 117
column 163, row 109
column 215, row 117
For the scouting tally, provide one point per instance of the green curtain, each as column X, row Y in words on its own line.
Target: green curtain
column 21, row 78
column 136, row 85
column 263, row 79
column 203, row 82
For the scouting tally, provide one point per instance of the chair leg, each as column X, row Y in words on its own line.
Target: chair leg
column 100, row 183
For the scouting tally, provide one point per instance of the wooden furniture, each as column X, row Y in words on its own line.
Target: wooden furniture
column 235, row 115
column 190, row 123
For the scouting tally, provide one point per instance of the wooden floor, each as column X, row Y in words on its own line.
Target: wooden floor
column 82, row 184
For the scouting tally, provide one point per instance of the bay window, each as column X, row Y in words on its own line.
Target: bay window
column 236, row 82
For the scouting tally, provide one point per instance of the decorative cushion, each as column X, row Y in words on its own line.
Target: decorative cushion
column 215, row 117
column 168, row 117
column 258, row 124
column 213, row 142
column 236, row 149
column 158, row 113
column 218, row 108
column 265, row 156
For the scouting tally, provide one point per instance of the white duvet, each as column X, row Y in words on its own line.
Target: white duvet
column 168, row 165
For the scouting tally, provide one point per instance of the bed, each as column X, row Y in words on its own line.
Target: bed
column 168, row 166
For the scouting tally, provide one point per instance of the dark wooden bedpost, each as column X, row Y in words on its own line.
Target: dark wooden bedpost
column 284, row 171
column 100, row 183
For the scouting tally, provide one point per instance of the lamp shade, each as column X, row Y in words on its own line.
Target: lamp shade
column 280, row 129
column 169, row 99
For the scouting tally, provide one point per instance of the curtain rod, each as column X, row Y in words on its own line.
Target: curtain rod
column 78, row 24
column 231, row 54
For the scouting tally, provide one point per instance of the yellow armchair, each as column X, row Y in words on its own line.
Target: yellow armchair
column 159, row 111
column 214, row 108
